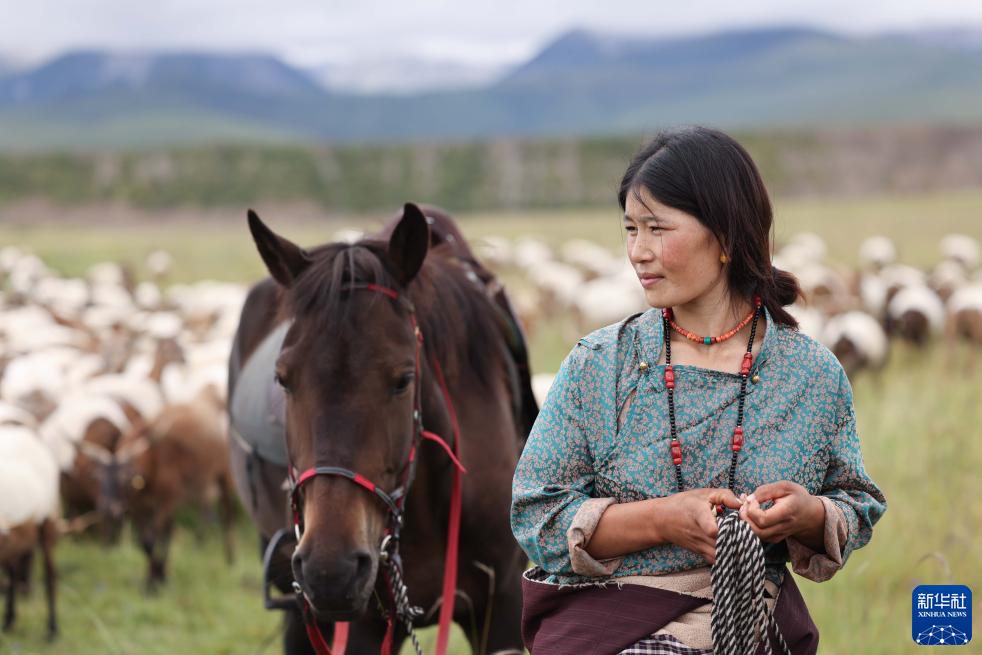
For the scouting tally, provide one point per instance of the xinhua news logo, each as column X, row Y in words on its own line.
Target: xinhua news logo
column 941, row 615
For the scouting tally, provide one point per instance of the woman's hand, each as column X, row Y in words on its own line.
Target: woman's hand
column 795, row 513
column 690, row 519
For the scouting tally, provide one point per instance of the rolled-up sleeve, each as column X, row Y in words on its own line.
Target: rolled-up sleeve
column 848, row 489
column 555, row 473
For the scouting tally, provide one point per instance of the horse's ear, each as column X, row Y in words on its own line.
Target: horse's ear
column 409, row 242
column 284, row 259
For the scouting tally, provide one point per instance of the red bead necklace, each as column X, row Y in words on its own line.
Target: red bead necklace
column 707, row 341
column 736, row 442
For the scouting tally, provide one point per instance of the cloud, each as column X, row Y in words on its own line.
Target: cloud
column 312, row 31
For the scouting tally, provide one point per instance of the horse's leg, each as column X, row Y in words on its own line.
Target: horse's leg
column 365, row 636
column 49, row 534
column 9, row 612
column 502, row 620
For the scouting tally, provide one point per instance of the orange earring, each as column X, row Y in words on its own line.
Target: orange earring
column 723, row 258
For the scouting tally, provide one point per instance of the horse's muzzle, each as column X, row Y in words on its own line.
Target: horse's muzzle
column 338, row 588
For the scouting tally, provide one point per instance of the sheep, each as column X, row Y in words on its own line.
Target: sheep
column 947, row 276
column 857, row 340
column 810, row 320
column 965, row 322
column 29, row 513
column 823, row 287
column 495, row 251
column 872, row 292
column 159, row 264
column 529, row 251
column 14, row 415
column 802, row 250
column 594, row 260
column 877, row 252
column 541, row 383
column 139, row 397
column 962, row 249
column 34, row 381
column 607, row 300
column 82, row 433
column 347, row 235
column 916, row 314
column 559, row 283
column 179, row 458
column 899, row 276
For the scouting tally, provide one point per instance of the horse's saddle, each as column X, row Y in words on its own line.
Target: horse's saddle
column 258, row 406
column 444, row 231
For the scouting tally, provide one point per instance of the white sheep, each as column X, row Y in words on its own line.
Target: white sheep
column 962, row 249
column 29, row 511
column 71, row 421
column 541, row 383
column 607, row 300
column 810, row 320
column 495, row 251
column 947, row 276
column 857, row 340
column 965, row 313
column 159, row 263
column 916, row 313
column 591, row 258
column 530, row 251
column 877, row 252
column 873, row 295
column 559, row 283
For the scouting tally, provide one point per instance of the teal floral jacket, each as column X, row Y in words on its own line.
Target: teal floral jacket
column 603, row 433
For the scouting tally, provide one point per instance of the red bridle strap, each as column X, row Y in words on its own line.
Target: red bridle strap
column 453, row 523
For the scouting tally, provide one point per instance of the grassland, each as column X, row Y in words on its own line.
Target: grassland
column 920, row 422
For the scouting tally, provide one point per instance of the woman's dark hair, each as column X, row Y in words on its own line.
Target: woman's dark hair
column 707, row 174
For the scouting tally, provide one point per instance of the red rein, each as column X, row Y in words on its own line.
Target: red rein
column 394, row 504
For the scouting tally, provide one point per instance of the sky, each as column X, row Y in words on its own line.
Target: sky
column 315, row 32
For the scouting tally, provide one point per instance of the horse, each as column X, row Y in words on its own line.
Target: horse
column 340, row 358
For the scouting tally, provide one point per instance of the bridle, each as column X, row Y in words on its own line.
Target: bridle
column 394, row 502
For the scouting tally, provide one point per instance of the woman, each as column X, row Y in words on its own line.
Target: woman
column 604, row 492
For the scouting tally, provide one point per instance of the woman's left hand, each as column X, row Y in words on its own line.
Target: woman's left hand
column 795, row 513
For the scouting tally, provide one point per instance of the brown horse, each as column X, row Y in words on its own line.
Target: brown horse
column 344, row 357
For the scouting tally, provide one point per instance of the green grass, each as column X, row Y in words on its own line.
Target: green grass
column 919, row 422
column 920, row 429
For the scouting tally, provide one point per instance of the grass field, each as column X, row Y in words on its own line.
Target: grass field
column 920, row 422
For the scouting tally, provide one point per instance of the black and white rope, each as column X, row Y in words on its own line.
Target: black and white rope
column 740, row 618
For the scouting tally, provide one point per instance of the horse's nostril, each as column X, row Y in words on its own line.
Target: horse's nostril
column 363, row 564
column 296, row 563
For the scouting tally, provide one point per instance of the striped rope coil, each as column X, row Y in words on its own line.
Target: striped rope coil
column 740, row 617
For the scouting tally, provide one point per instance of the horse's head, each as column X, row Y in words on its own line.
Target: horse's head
column 348, row 366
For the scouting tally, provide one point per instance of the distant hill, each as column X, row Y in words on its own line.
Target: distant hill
column 582, row 83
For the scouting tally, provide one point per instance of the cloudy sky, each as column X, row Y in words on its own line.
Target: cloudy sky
column 312, row 32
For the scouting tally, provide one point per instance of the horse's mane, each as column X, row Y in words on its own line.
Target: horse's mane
column 457, row 319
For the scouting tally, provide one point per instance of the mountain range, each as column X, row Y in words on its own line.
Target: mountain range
column 581, row 83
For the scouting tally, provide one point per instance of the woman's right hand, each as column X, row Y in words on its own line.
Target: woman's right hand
column 688, row 519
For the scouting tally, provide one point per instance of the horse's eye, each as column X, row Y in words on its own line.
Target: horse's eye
column 402, row 383
column 280, row 381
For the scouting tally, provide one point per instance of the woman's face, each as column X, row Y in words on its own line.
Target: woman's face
column 675, row 256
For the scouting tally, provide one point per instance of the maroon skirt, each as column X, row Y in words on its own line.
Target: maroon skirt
column 595, row 620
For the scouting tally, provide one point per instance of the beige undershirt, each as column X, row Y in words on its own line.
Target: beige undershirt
column 694, row 629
